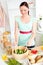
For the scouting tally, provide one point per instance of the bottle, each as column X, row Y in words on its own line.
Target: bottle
column 9, row 50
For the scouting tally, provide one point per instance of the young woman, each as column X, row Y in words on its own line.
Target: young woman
column 26, row 25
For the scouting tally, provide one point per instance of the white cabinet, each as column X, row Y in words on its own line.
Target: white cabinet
column 39, row 38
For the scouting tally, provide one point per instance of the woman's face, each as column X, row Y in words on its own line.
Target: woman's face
column 24, row 10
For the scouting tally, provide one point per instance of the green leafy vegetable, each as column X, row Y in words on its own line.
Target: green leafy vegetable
column 19, row 51
column 12, row 61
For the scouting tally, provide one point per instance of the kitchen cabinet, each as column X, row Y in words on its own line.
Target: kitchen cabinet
column 39, row 38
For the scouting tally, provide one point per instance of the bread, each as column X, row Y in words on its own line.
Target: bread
column 40, row 60
column 37, row 58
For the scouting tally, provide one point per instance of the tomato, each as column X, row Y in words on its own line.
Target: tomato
column 34, row 51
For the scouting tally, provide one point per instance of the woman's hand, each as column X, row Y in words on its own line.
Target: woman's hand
column 29, row 43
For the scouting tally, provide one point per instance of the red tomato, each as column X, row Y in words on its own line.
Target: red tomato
column 34, row 51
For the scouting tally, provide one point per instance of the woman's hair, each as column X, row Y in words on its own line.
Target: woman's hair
column 25, row 4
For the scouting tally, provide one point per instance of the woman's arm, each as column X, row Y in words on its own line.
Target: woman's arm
column 16, row 33
column 34, row 28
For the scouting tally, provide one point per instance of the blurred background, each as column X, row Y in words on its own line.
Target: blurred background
column 10, row 8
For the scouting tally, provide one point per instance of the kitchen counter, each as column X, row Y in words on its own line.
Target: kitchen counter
column 39, row 38
column 24, row 61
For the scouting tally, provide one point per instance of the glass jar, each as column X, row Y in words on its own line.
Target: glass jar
column 9, row 50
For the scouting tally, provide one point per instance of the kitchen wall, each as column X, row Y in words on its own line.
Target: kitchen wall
column 39, row 8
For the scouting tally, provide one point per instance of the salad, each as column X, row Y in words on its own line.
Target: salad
column 20, row 51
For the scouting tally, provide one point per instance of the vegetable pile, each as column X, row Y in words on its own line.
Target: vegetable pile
column 20, row 51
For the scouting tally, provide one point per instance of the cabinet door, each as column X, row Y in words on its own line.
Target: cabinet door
column 39, row 39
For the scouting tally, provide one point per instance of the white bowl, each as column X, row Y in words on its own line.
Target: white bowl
column 20, row 56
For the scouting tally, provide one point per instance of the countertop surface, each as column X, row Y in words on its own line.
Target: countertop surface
column 24, row 61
